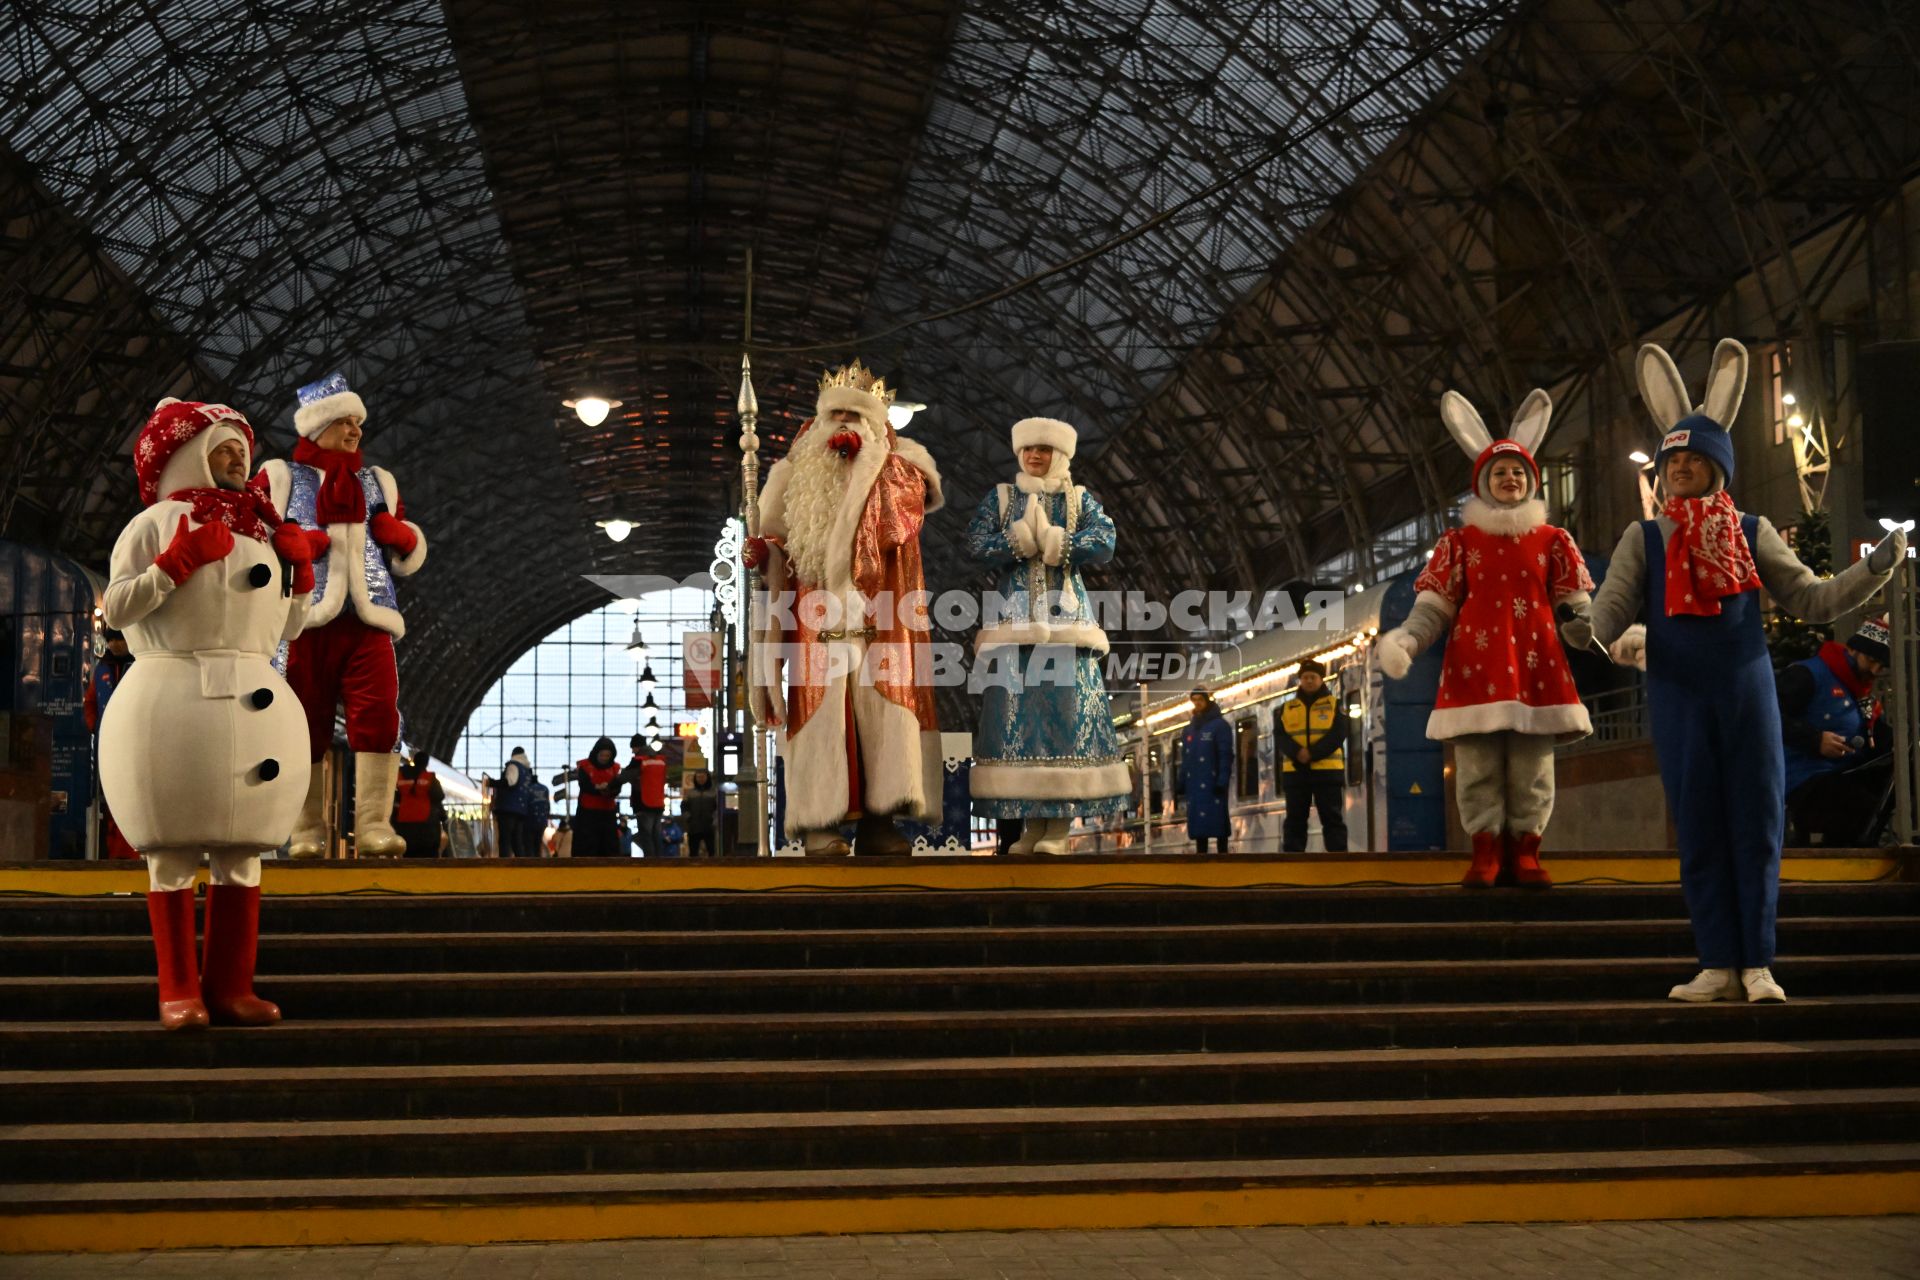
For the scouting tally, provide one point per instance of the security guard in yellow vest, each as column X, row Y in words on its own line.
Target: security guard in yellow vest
column 1310, row 743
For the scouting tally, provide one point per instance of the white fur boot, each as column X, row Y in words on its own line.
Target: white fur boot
column 374, row 775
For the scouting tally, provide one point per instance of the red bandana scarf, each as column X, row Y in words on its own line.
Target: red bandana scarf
column 247, row 512
column 341, row 499
column 1707, row 557
column 1834, row 654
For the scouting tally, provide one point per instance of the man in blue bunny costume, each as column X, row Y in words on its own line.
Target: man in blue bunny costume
column 1696, row 570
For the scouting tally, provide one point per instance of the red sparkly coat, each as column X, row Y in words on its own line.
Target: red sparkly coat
column 1499, row 578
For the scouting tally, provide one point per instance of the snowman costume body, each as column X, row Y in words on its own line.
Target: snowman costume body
column 202, row 717
column 202, row 748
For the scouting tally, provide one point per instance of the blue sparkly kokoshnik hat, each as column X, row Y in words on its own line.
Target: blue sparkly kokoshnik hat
column 323, row 401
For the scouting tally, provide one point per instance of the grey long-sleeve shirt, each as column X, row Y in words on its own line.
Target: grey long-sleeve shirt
column 1799, row 590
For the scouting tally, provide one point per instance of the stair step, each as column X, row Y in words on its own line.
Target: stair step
column 325, row 996
column 659, row 1143
column 88, row 955
column 887, row 909
column 150, row 1095
column 141, row 1044
column 1061, row 1178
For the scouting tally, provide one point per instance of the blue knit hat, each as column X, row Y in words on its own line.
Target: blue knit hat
column 1697, row 433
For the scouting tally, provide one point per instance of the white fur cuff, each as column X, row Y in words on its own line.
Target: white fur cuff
column 1002, row 780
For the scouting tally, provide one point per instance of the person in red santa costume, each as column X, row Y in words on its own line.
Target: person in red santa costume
column 202, row 746
column 361, row 541
column 1506, row 693
column 840, row 523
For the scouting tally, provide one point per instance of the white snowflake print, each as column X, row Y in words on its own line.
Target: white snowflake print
column 1490, row 689
column 1519, row 607
column 1473, row 558
column 1542, row 558
column 1533, row 659
column 1480, row 641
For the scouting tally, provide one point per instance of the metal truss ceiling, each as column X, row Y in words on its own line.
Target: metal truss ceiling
column 480, row 208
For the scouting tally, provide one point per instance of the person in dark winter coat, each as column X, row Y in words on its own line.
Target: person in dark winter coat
column 699, row 807
column 1206, row 772
column 599, row 779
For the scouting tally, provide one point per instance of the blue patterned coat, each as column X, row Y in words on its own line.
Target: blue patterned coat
column 1046, row 747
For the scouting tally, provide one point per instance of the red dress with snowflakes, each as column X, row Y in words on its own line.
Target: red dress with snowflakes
column 1504, row 666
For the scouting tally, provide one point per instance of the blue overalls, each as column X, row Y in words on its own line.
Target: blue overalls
column 1716, row 732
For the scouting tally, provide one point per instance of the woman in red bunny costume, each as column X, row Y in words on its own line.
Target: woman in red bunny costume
column 1506, row 695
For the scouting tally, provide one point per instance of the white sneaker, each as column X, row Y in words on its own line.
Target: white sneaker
column 1761, row 987
column 1709, row 985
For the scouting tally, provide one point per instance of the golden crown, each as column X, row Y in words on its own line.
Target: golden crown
column 859, row 378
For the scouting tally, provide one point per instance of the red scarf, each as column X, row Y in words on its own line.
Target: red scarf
column 1834, row 654
column 1707, row 557
column 341, row 499
column 247, row 512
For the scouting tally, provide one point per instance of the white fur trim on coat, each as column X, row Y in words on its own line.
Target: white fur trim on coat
column 312, row 419
column 1510, row 521
column 993, row 780
column 1082, row 635
column 1055, row 434
column 915, row 454
column 901, row 764
column 1568, row 722
column 346, row 557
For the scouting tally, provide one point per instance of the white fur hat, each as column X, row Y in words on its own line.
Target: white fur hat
column 1052, row 432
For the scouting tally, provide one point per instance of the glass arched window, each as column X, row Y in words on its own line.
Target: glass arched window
column 582, row 681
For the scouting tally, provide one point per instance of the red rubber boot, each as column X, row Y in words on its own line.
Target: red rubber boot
column 172, row 917
column 233, row 936
column 1527, row 871
column 1486, row 861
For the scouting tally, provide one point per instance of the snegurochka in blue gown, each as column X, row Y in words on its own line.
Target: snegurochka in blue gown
column 1046, row 750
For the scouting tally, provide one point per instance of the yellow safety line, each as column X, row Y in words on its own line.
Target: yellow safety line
column 972, row 873
column 1607, row 1200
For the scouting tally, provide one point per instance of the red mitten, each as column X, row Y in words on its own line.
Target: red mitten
column 192, row 548
column 303, row 577
column 753, row 553
column 318, row 543
column 290, row 544
column 393, row 534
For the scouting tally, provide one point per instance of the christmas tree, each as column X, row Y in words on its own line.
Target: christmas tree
column 1788, row 638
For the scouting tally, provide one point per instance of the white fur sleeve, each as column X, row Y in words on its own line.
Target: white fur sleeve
column 1799, row 590
column 138, row 586
column 1432, row 614
column 1617, row 603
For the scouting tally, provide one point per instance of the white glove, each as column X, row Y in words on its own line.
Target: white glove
column 1395, row 652
column 767, row 702
column 1053, row 544
column 1888, row 552
column 1021, row 534
column 1630, row 650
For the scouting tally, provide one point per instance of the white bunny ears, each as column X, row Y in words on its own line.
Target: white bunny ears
column 1464, row 423
column 1666, row 393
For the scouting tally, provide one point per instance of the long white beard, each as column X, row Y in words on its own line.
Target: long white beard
column 815, row 491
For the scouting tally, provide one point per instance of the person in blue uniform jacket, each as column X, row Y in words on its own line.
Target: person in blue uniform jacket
column 1838, row 767
column 1696, row 570
column 1206, row 771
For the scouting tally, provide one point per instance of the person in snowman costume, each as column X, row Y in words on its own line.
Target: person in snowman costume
column 361, row 539
column 1696, row 571
column 202, row 749
column 1506, row 694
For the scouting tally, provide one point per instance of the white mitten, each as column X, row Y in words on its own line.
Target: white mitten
column 1630, row 650
column 765, row 696
column 1395, row 651
column 1053, row 544
column 1020, row 532
column 1036, row 515
column 1888, row 552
